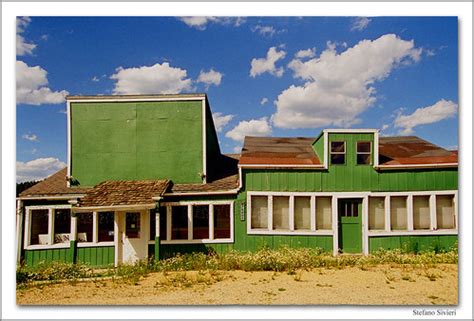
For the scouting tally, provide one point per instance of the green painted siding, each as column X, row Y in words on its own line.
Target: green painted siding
column 136, row 140
column 413, row 243
column 318, row 147
column 34, row 257
column 96, row 256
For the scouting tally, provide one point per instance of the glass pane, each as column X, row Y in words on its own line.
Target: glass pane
column 132, row 225
column 200, row 222
column 302, row 213
column 281, row 212
column 376, row 213
column 163, row 220
column 221, row 221
column 421, row 212
column 259, row 212
column 338, row 159
column 179, row 222
column 84, row 227
column 62, row 225
column 363, row 147
column 363, row 159
column 106, row 226
column 39, row 227
column 152, row 224
column 337, row 147
column 398, row 212
column 445, row 211
column 323, row 213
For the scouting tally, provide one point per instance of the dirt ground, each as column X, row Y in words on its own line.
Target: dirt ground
column 356, row 286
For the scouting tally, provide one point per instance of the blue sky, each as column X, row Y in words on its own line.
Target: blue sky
column 280, row 76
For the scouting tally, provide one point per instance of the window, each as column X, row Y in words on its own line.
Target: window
column 302, row 213
column 39, row 227
column 106, row 226
column 259, row 212
column 200, row 222
column 85, row 227
column 445, row 215
column 323, row 213
column 421, row 212
column 153, row 225
column 376, row 213
column 338, row 153
column 62, row 225
column 132, row 225
column 179, row 222
column 364, row 151
column 163, row 223
column 222, row 221
column 398, row 212
column 349, row 207
column 281, row 213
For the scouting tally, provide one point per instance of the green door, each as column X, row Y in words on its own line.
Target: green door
column 350, row 225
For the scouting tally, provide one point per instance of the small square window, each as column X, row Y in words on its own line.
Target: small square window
column 338, row 153
column 364, row 153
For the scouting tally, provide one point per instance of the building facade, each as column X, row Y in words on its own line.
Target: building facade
column 146, row 177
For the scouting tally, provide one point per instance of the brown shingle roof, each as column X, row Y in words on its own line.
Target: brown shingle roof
column 112, row 193
column 54, row 185
column 278, row 151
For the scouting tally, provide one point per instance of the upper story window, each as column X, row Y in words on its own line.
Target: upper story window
column 338, row 153
column 364, row 152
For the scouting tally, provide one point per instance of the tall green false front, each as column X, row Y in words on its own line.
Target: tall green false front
column 136, row 140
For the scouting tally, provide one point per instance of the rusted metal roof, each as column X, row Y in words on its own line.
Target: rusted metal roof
column 54, row 185
column 278, row 151
column 412, row 150
column 113, row 193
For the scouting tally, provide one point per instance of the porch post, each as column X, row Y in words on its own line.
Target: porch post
column 157, row 231
column 73, row 238
column 19, row 229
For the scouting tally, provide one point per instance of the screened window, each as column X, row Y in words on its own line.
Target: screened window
column 376, row 213
column 106, row 226
column 62, row 225
column 259, row 212
column 323, row 213
column 281, row 212
column 398, row 212
column 338, row 153
column 179, row 222
column 302, row 209
column 39, row 227
column 200, row 222
column 445, row 216
column 85, row 227
column 421, row 212
column 163, row 222
column 364, row 153
column 222, row 221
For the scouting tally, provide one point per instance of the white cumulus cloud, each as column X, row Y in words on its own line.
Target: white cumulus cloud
column 37, row 169
column 201, row 22
column 442, row 109
column 156, row 79
column 210, row 77
column 264, row 101
column 30, row 137
column 267, row 64
column 264, row 30
column 22, row 46
column 221, row 120
column 360, row 23
column 253, row 127
column 339, row 86
column 306, row 53
column 31, row 86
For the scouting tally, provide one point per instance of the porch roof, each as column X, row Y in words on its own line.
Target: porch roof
column 120, row 193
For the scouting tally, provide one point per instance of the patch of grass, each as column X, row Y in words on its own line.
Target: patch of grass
column 55, row 271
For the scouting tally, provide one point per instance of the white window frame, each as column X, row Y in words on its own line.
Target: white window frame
column 27, row 232
column 291, row 230
column 364, row 153
column 190, row 240
column 433, row 230
column 95, row 231
column 338, row 153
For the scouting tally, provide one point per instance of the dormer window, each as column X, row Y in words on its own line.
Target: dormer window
column 338, row 153
column 364, row 152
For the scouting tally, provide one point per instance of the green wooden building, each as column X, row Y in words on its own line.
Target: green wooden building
column 146, row 177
